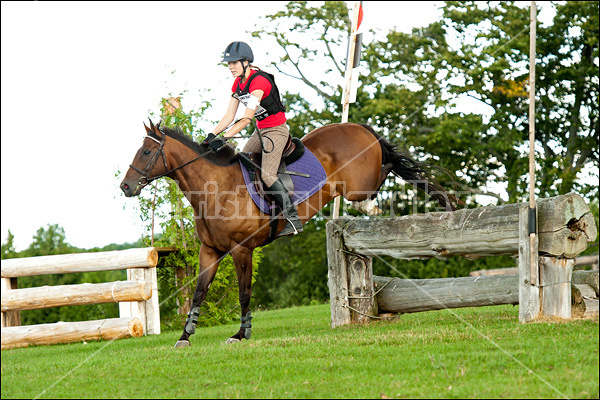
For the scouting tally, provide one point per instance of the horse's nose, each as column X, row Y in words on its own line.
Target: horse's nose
column 125, row 189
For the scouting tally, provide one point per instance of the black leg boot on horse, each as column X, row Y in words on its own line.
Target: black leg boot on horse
column 278, row 192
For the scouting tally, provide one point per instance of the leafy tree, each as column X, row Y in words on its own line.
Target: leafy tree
column 8, row 248
column 48, row 241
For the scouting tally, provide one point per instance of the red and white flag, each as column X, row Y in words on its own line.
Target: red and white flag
column 356, row 36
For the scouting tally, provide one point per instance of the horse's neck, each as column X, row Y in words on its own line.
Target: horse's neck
column 195, row 177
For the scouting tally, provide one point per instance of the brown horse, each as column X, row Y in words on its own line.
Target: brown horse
column 355, row 158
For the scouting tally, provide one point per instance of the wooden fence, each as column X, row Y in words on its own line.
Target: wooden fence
column 137, row 297
column 565, row 227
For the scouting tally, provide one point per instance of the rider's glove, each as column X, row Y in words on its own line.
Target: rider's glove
column 214, row 142
column 208, row 138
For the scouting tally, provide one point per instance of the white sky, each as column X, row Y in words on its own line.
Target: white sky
column 78, row 81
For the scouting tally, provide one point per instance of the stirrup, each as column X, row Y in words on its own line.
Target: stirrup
column 192, row 320
column 286, row 231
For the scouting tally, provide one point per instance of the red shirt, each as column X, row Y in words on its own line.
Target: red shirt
column 262, row 83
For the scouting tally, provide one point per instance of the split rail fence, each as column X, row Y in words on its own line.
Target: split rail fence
column 565, row 228
column 137, row 297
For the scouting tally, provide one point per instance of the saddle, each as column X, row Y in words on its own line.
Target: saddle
column 293, row 150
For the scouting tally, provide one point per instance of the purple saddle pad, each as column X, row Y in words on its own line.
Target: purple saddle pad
column 303, row 187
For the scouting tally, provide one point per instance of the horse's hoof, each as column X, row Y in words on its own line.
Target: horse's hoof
column 233, row 340
column 182, row 343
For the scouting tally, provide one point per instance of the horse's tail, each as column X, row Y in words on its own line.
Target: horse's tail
column 413, row 172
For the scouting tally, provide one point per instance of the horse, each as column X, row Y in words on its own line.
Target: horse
column 356, row 160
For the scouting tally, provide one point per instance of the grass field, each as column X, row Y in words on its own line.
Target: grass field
column 465, row 353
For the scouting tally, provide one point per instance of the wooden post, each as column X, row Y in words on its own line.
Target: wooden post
column 147, row 311
column 555, row 282
column 10, row 318
column 337, row 274
column 529, row 294
column 362, row 302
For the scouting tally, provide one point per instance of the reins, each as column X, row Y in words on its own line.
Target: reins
column 160, row 152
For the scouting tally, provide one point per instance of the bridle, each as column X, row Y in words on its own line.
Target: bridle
column 144, row 179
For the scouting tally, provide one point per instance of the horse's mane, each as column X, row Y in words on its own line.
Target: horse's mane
column 225, row 156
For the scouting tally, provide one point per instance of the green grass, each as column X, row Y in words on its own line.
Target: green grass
column 465, row 353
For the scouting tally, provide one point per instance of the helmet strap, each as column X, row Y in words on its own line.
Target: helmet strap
column 245, row 66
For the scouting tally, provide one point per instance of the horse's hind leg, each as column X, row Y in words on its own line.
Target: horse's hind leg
column 209, row 262
column 242, row 258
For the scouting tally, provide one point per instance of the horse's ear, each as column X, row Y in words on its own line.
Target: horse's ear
column 151, row 125
column 158, row 127
column 148, row 130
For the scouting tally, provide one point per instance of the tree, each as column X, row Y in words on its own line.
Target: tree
column 8, row 248
column 48, row 241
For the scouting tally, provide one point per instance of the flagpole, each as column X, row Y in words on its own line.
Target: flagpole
column 533, row 255
column 347, row 88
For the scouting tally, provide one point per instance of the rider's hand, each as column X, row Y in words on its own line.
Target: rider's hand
column 208, row 138
column 216, row 143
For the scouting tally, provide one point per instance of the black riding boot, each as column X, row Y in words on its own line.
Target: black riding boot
column 281, row 196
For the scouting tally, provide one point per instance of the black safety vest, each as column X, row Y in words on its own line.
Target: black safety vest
column 269, row 105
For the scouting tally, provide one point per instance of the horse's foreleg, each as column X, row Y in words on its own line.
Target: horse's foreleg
column 242, row 259
column 209, row 262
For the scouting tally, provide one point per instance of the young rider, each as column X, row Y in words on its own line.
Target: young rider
column 258, row 92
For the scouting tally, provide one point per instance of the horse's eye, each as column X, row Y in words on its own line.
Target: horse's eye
column 146, row 152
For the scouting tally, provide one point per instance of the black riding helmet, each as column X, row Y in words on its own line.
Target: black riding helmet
column 238, row 51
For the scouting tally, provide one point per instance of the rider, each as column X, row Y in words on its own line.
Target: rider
column 257, row 91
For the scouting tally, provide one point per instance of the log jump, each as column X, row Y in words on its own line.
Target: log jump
column 565, row 228
column 137, row 297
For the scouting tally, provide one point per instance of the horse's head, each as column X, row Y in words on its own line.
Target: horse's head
column 148, row 164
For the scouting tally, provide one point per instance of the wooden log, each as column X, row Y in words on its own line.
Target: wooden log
column 69, row 332
column 361, row 299
column 80, row 262
column 337, row 278
column 582, row 291
column 582, row 260
column 585, row 300
column 495, row 271
column 415, row 295
column 588, row 260
column 587, row 278
column 147, row 311
column 590, row 307
column 71, row 295
column 565, row 227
